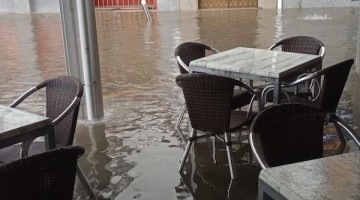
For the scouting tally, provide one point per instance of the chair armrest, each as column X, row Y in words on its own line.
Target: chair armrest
column 341, row 124
column 253, row 91
column 24, row 148
column 300, row 79
column 261, row 160
column 182, row 64
column 212, row 49
column 23, row 96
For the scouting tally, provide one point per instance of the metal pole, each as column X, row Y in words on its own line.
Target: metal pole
column 90, row 74
column 81, row 51
column 279, row 4
column 146, row 9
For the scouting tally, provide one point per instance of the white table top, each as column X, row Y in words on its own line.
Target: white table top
column 14, row 122
column 335, row 177
column 242, row 62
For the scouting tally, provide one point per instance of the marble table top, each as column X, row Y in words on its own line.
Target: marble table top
column 253, row 63
column 335, row 177
column 14, row 122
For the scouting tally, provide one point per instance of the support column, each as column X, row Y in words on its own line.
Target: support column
column 81, row 51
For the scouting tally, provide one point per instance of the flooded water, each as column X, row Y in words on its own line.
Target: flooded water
column 134, row 152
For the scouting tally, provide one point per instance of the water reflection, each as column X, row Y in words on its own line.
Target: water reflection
column 134, row 152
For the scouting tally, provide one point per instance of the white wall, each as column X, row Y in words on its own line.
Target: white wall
column 267, row 3
column 319, row 3
column 168, row 5
column 27, row 6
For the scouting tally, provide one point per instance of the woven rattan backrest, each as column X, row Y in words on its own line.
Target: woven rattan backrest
column 208, row 100
column 288, row 133
column 334, row 80
column 189, row 51
column 48, row 175
column 60, row 92
column 301, row 44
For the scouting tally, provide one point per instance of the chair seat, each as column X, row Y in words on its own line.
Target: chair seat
column 240, row 98
column 239, row 119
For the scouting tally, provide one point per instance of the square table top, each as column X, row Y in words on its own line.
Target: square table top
column 254, row 62
column 14, row 122
column 333, row 177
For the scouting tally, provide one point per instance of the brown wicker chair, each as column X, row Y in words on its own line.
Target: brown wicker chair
column 326, row 96
column 288, row 133
column 48, row 175
column 299, row 44
column 208, row 99
column 63, row 95
column 189, row 51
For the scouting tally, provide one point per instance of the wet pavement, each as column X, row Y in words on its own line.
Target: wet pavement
column 134, row 151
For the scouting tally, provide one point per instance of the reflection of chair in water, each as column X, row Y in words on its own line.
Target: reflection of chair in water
column 189, row 51
column 48, row 175
column 208, row 100
column 288, row 133
column 63, row 95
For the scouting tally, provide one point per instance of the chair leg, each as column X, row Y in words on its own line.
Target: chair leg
column 177, row 125
column 84, row 182
column 187, row 150
column 232, row 168
column 342, row 140
column 213, row 140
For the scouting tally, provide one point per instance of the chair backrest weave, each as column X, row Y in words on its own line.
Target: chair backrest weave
column 48, row 175
column 288, row 133
column 208, row 100
column 60, row 92
column 189, row 51
column 300, row 44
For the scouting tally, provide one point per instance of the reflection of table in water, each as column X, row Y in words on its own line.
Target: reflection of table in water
column 256, row 64
column 332, row 178
column 19, row 126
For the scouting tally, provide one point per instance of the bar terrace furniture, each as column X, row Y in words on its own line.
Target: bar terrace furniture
column 19, row 126
column 289, row 133
column 208, row 99
column 325, row 95
column 48, row 175
column 305, row 45
column 189, row 51
column 62, row 96
column 256, row 64
column 332, row 178
column 329, row 91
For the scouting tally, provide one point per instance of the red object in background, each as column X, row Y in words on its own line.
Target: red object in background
column 125, row 3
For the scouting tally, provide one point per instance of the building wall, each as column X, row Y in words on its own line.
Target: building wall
column 267, row 3
column 45, row 6
column 52, row 6
column 319, row 3
column 168, row 5
column 189, row 5
column 26, row 6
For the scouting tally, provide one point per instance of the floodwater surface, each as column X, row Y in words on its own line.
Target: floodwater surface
column 134, row 151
